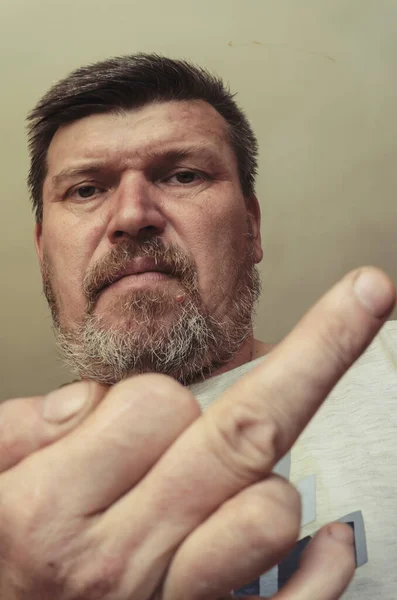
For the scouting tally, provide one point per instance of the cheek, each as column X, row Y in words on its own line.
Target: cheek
column 220, row 246
column 64, row 250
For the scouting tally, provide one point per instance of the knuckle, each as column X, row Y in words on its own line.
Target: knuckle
column 160, row 390
column 270, row 520
column 11, row 447
column 286, row 504
column 97, row 575
column 283, row 493
column 245, row 442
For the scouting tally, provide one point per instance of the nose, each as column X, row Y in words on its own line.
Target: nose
column 135, row 210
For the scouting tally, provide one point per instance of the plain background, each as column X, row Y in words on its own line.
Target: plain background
column 318, row 81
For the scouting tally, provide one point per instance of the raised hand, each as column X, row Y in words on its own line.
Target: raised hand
column 140, row 497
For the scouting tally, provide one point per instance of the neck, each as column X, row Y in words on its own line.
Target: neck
column 250, row 350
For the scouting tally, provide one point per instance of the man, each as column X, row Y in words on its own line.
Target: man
column 148, row 233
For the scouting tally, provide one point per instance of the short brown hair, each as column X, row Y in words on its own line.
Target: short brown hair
column 126, row 82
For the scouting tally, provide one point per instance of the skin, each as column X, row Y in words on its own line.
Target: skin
column 138, row 191
column 197, row 511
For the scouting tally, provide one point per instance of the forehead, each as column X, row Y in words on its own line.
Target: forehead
column 125, row 136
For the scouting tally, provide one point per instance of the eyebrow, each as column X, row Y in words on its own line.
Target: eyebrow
column 208, row 154
column 71, row 172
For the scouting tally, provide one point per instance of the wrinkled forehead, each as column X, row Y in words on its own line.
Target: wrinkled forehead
column 140, row 131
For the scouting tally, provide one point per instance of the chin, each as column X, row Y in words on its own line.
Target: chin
column 135, row 324
column 130, row 313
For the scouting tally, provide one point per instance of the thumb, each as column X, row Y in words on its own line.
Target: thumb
column 28, row 424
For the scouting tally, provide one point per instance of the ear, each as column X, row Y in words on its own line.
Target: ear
column 254, row 215
column 38, row 230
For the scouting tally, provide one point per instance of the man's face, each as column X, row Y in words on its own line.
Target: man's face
column 146, row 234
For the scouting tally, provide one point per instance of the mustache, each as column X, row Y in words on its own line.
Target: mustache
column 168, row 256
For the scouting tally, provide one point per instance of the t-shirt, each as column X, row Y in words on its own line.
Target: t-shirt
column 345, row 467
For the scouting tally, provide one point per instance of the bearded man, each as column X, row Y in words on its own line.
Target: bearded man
column 122, row 486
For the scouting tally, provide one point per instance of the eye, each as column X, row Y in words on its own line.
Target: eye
column 186, row 177
column 85, row 192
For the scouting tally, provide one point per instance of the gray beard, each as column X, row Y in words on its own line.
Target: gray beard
column 189, row 348
column 155, row 332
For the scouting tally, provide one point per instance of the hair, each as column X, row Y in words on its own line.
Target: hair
column 124, row 83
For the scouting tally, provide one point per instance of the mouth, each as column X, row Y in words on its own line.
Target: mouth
column 142, row 270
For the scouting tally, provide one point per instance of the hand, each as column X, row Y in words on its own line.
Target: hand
column 140, row 497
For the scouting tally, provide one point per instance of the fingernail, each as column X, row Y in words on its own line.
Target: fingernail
column 374, row 292
column 63, row 404
column 342, row 533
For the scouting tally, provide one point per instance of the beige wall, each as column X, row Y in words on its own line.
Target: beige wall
column 318, row 79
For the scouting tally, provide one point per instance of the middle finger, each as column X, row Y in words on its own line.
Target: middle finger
column 242, row 436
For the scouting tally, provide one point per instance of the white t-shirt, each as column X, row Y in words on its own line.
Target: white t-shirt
column 345, row 466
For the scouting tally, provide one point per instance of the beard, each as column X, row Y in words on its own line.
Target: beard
column 156, row 330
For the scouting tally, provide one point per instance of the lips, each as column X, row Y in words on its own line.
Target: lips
column 139, row 265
